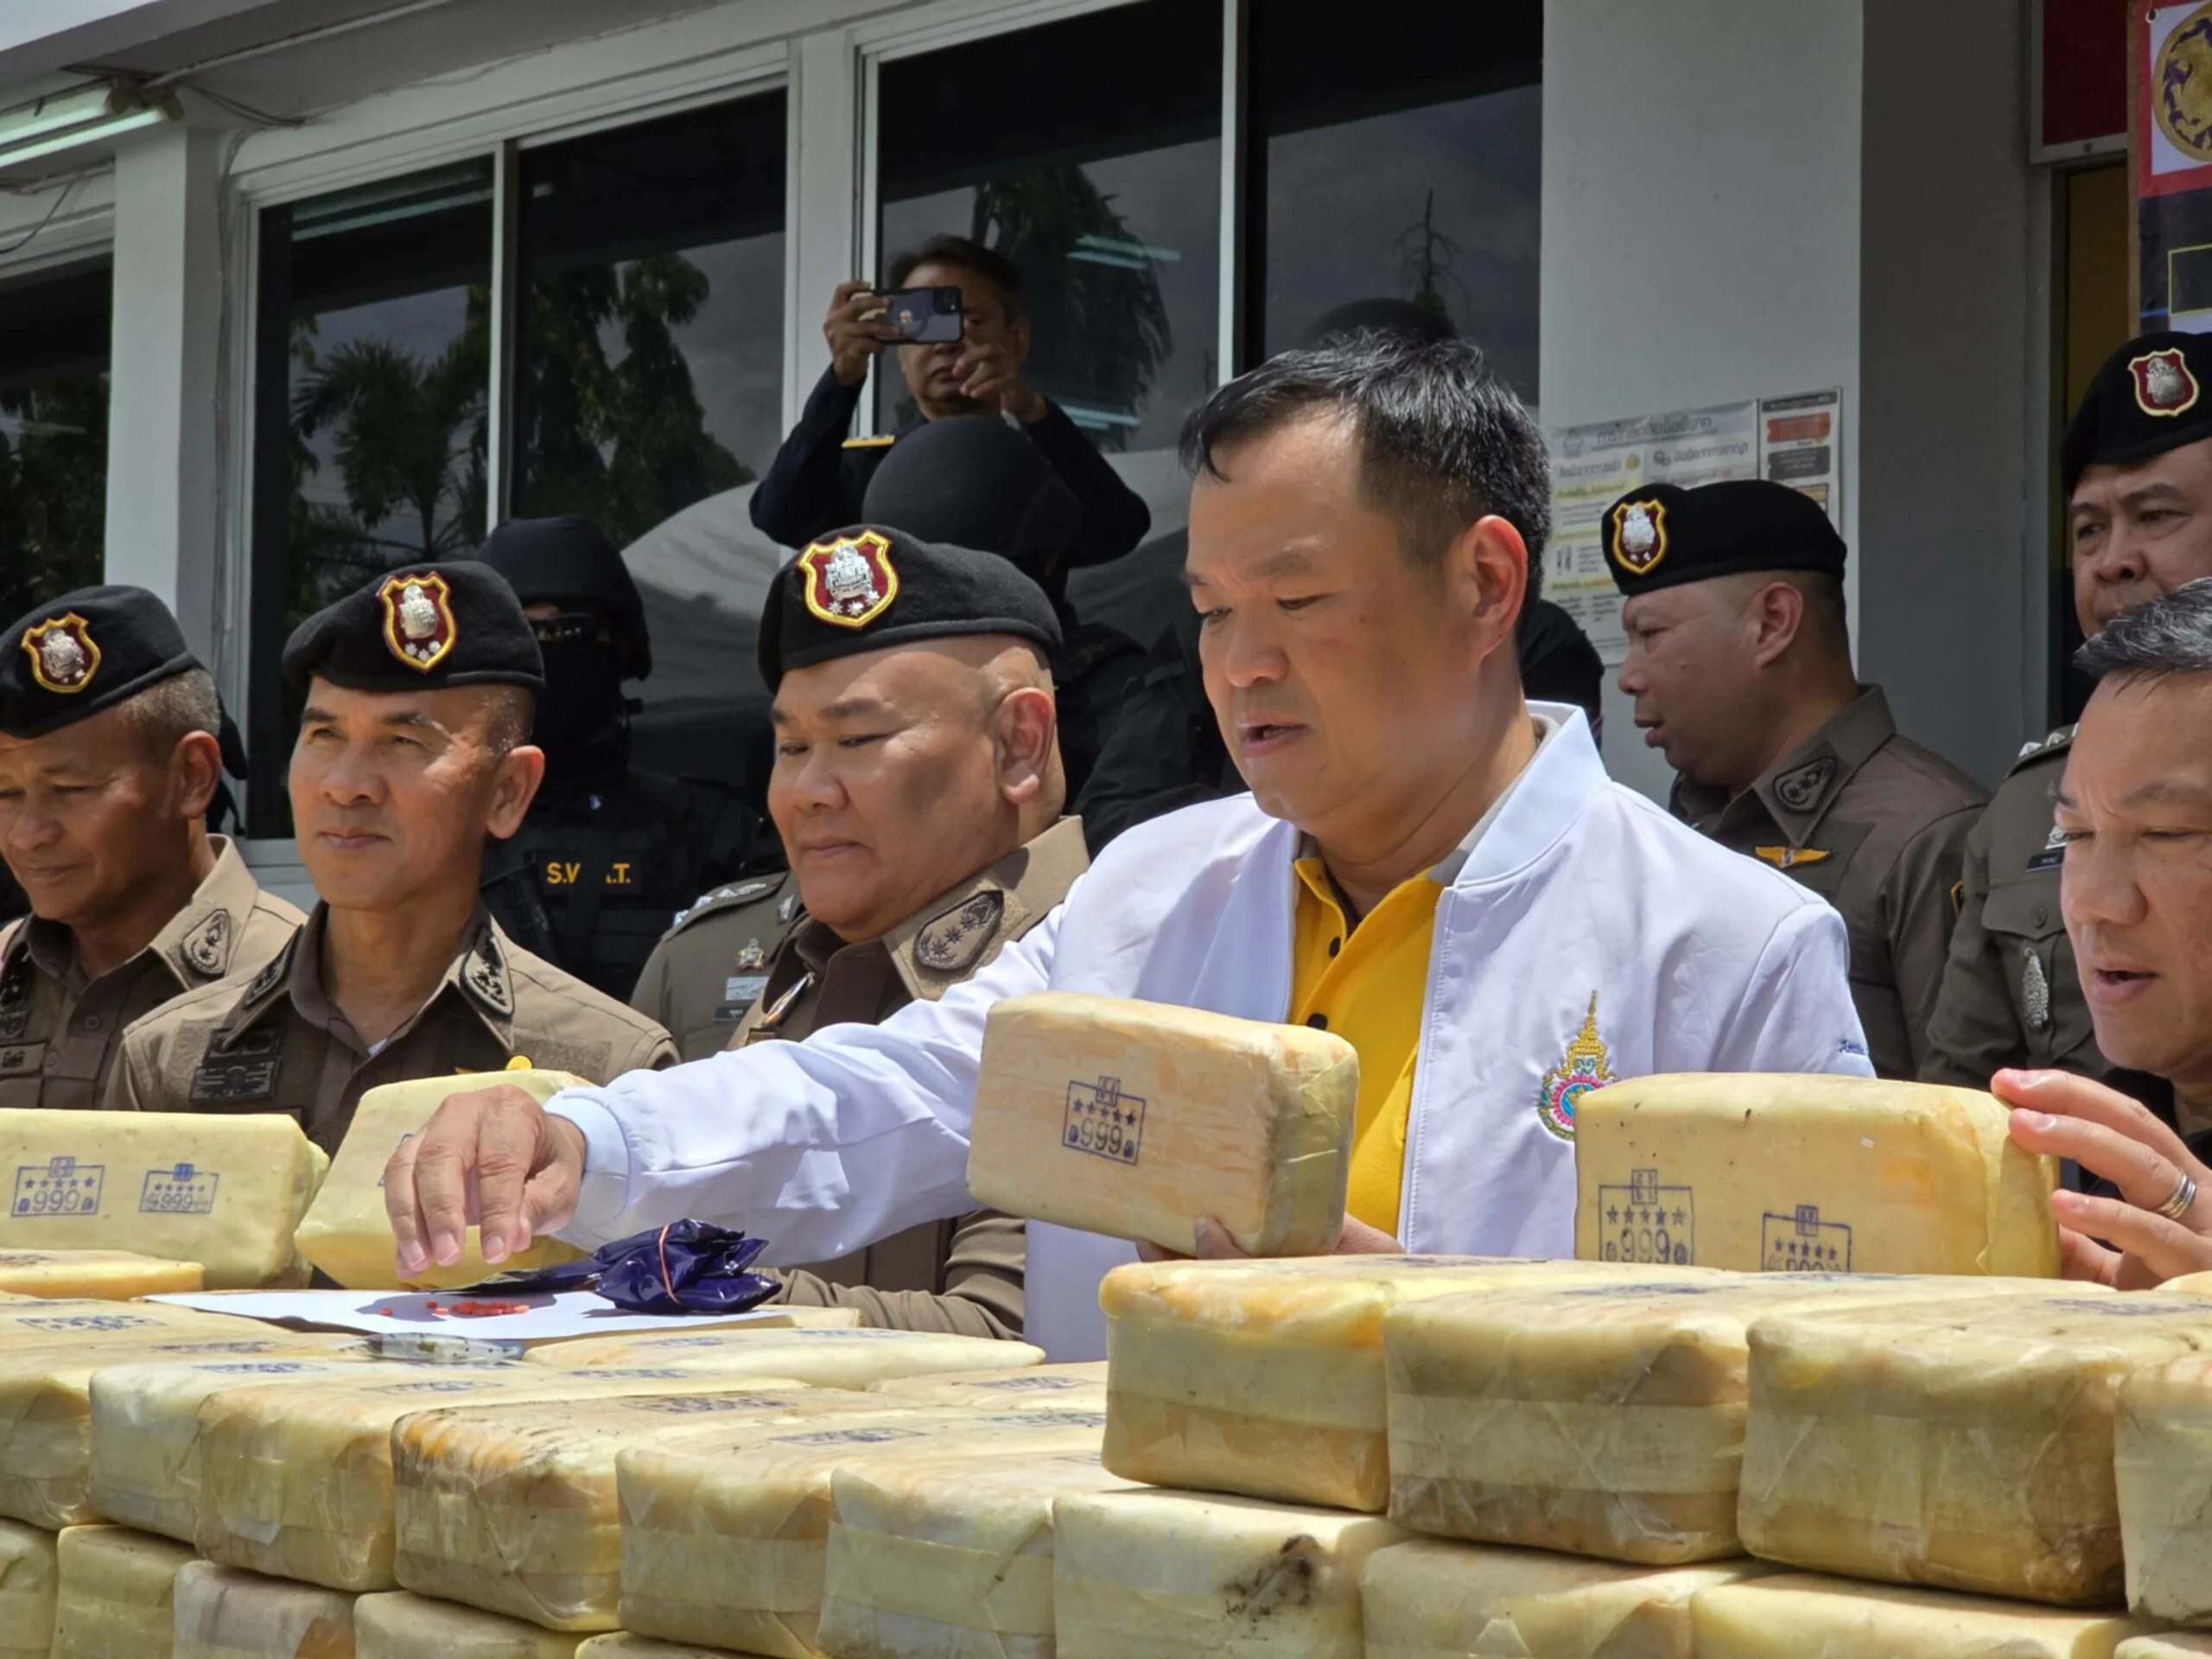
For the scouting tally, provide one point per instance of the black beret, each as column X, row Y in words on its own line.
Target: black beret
column 69, row 658
column 870, row 587
column 2148, row 398
column 452, row 623
column 568, row 561
column 1663, row 536
column 972, row 480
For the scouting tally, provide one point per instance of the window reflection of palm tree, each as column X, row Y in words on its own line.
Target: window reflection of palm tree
column 1096, row 311
column 53, row 488
column 407, row 434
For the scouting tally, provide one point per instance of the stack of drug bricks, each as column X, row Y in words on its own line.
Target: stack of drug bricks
column 182, row 1483
column 1665, row 1450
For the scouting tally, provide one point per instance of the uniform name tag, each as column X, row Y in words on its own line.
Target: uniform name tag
column 22, row 1059
column 563, row 874
column 744, row 988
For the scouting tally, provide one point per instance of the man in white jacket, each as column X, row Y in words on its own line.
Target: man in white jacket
column 1426, row 864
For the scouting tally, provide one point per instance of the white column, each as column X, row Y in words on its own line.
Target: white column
column 822, row 210
column 161, row 488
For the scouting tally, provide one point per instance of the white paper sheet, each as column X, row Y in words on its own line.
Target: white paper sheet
column 407, row 1312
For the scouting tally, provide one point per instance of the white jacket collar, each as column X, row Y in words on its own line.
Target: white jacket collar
column 1562, row 778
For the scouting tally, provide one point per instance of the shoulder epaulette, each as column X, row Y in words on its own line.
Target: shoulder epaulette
column 2055, row 743
column 723, row 898
column 884, row 442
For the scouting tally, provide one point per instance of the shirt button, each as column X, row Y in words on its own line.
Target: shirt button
column 1335, row 945
column 1319, row 1021
column 2040, row 917
column 54, row 1062
column 90, row 1022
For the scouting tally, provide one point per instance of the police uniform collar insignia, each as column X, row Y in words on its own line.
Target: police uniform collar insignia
column 851, row 581
column 949, row 941
column 64, row 655
column 485, row 976
column 1581, row 1069
column 15, row 988
column 273, row 972
column 1637, row 536
column 207, row 948
column 788, row 907
column 2163, row 384
column 1784, row 858
column 418, row 624
column 1799, row 788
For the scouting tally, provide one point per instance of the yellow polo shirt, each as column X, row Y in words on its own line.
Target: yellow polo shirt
column 1368, row 984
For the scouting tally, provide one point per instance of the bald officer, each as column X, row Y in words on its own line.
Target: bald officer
column 413, row 745
column 108, row 758
column 2136, row 467
column 917, row 789
column 1739, row 664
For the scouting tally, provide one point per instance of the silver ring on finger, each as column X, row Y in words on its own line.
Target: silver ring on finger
column 2184, row 1196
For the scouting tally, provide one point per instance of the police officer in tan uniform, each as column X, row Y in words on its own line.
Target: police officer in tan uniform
column 1739, row 664
column 413, row 746
column 917, row 789
column 109, row 757
column 2136, row 467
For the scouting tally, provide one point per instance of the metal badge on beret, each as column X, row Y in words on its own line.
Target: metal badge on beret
column 850, row 581
column 64, row 656
column 418, row 624
column 950, row 942
column 1639, row 540
column 1800, row 789
column 2163, row 384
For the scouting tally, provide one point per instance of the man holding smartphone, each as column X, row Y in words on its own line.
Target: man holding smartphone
column 819, row 478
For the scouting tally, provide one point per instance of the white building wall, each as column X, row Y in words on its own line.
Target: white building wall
column 1701, row 224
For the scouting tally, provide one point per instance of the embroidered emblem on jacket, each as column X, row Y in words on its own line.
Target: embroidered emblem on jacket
column 1581, row 1069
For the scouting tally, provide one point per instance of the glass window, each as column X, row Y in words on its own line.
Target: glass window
column 53, row 357
column 648, row 393
column 1089, row 153
column 373, row 359
column 1396, row 159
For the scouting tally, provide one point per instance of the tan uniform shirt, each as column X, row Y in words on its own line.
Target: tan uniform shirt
column 709, row 969
column 1878, row 826
column 2012, row 994
column 964, row 1276
column 275, row 1042
column 59, row 1033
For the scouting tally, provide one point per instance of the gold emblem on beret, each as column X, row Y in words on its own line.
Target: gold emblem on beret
column 851, row 581
column 63, row 656
column 1638, row 540
column 418, row 624
column 2163, row 384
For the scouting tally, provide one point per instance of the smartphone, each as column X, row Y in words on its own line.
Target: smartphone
column 926, row 316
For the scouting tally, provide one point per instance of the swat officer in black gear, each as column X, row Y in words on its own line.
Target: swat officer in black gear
column 974, row 481
column 608, row 854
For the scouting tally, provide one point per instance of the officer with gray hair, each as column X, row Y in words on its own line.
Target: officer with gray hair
column 2134, row 810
